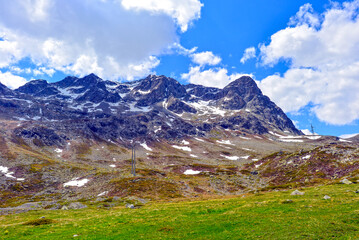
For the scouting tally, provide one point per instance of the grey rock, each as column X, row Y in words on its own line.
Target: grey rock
column 131, row 206
column 345, row 181
column 297, row 192
column 76, row 205
column 137, row 199
column 99, row 199
column 116, row 198
column 326, row 197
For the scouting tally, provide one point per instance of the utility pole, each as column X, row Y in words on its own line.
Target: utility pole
column 312, row 129
column 133, row 160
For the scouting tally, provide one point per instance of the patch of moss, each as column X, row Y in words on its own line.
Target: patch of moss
column 38, row 222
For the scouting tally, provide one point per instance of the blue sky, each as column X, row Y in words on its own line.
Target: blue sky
column 303, row 54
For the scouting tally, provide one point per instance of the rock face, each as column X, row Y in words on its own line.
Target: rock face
column 152, row 108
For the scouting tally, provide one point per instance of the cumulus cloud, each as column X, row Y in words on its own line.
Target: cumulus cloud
column 248, row 54
column 217, row 77
column 205, row 58
column 11, row 81
column 184, row 11
column 110, row 38
column 322, row 50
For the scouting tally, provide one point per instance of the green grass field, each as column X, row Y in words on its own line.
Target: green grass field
column 272, row 215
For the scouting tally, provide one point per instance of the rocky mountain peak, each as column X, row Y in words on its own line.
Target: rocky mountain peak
column 155, row 89
column 66, row 82
column 4, row 90
column 90, row 80
column 245, row 87
column 33, row 87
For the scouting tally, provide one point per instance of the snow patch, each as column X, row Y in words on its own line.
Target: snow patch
column 194, row 156
column 258, row 165
column 306, row 157
column 291, row 140
column 158, row 129
column 275, row 134
column 204, row 108
column 144, row 145
column 343, row 140
column 233, row 158
column 138, row 109
column 198, row 139
column 191, row 172
column 58, row 150
column 5, row 171
column 225, row 142
column 102, row 194
column 313, row 137
column 184, row 142
column 144, row 92
column 247, row 149
column 182, row 148
column 113, row 165
column 76, row 183
column 245, row 138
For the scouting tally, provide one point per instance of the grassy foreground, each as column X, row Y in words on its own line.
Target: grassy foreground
column 274, row 215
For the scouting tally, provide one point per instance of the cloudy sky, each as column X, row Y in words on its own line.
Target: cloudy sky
column 303, row 54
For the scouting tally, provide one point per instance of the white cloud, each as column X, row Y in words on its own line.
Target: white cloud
column 323, row 53
column 183, row 11
column 248, row 54
column 217, row 77
column 9, row 53
column 11, row 81
column 305, row 15
column 79, row 37
column 37, row 10
column 205, row 58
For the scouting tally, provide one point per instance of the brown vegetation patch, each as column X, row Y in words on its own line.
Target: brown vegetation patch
column 145, row 187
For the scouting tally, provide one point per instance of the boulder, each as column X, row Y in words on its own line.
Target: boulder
column 296, row 192
column 128, row 205
column 345, row 181
column 326, row 197
column 76, row 205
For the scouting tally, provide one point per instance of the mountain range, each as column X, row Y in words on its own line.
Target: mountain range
column 153, row 108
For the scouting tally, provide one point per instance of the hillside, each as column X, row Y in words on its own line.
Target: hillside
column 72, row 140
